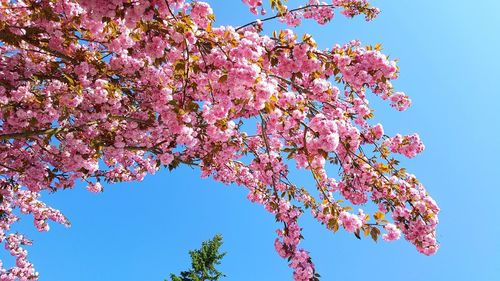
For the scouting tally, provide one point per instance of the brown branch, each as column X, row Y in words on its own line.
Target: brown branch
column 286, row 12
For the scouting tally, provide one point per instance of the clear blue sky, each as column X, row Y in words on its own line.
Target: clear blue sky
column 448, row 53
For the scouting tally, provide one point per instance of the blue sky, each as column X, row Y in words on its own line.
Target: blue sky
column 448, row 54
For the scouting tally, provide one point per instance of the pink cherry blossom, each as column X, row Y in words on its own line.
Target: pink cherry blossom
column 393, row 233
column 349, row 221
column 95, row 187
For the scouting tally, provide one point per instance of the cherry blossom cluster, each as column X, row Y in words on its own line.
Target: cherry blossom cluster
column 23, row 270
column 26, row 202
column 355, row 7
column 288, row 239
column 323, row 12
column 393, row 233
column 410, row 146
column 111, row 91
column 253, row 4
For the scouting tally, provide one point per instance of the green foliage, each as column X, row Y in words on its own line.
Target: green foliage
column 203, row 262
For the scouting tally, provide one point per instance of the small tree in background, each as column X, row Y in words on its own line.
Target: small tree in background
column 203, row 262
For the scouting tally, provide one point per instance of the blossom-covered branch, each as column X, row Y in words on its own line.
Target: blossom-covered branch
column 109, row 91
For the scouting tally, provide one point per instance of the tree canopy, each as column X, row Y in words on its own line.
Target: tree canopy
column 109, row 91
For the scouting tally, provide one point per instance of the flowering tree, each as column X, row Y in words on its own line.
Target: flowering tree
column 113, row 90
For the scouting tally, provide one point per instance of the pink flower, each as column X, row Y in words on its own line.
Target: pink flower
column 350, row 221
column 95, row 187
column 400, row 101
column 393, row 233
column 253, row 4
column 200, row 13
column 409, row 145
